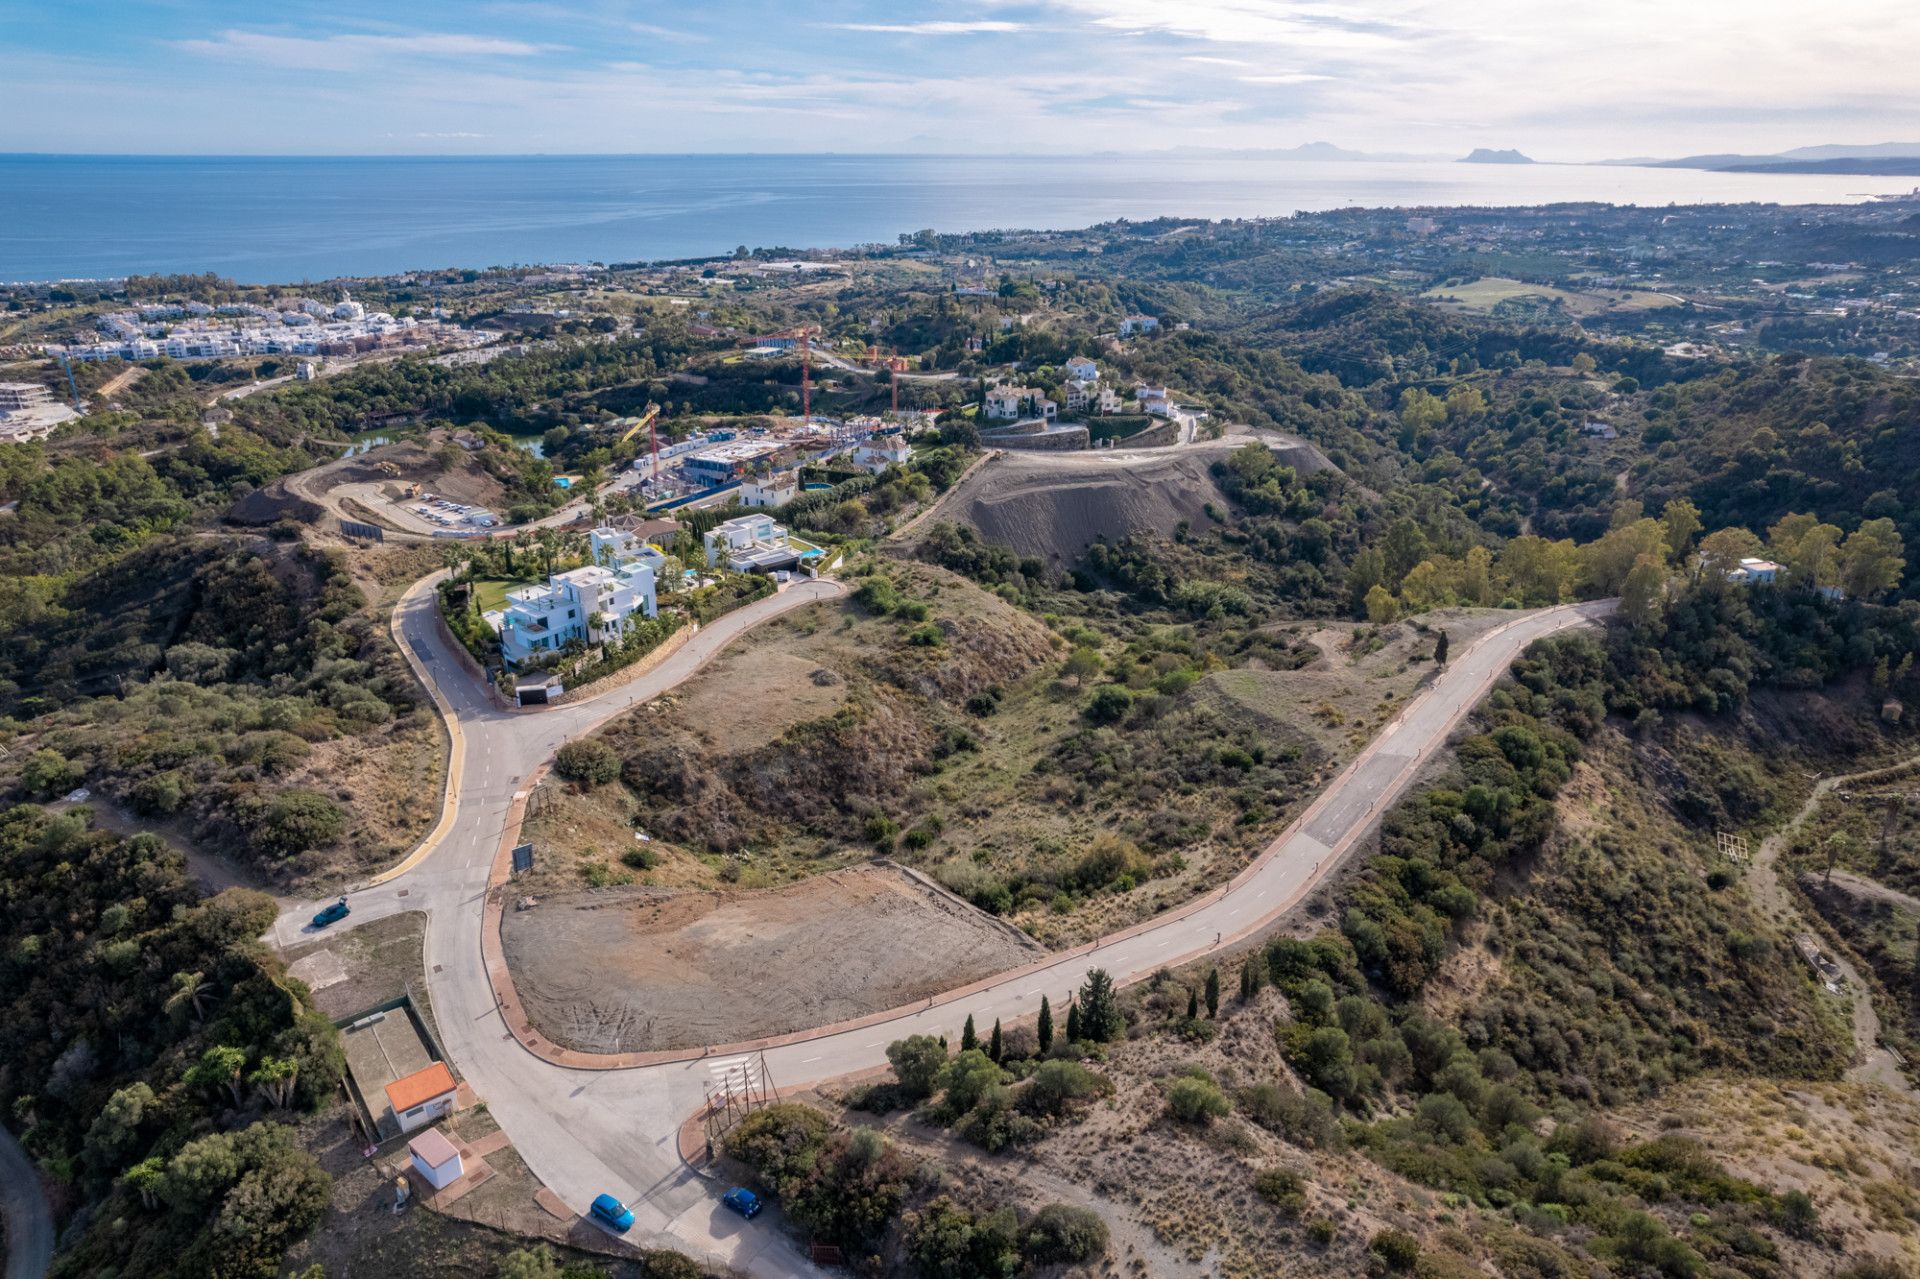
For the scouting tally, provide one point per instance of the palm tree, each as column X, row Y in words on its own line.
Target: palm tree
column 275, row 1078
column 189, row 995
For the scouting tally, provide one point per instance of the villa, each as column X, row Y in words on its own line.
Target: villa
column 756, row 544
column 881, row 452
column 591, row 605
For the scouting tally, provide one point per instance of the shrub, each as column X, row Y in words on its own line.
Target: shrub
column 640, row 858
column 1399, row 1250
column 917, row 1062
column 1305, row 1119
column 1283, row 1188
column 48, row 773
column 1055, row 1087
column 589, row 762
column 1064, row 1234
column 1110, row 704
column 290, row 822
column 1196, row 1101
column 162, row 794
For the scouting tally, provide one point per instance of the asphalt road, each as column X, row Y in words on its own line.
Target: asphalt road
column 28, row 1216
column 587, row 1131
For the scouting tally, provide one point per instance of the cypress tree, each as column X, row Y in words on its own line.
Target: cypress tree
column 1073, row 1021
column 1045, row 1028
column 1193, row 1004
column 1213, row 992
column 1246, row 981
column 967, row 1038
column 995, row 1048
column 1100, row 1016
column 1440, row 649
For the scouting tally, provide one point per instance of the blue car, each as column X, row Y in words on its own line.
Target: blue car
column 742, row 1201
column 339, row 910
column 612, row 1214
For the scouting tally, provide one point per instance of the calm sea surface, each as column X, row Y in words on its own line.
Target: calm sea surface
column 270, row 220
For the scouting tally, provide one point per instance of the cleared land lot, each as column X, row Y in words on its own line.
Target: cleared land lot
column 1486, row 293
column 635, row 969
column 1054, row 505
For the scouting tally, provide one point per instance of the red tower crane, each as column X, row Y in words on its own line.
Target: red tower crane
column 802, row 333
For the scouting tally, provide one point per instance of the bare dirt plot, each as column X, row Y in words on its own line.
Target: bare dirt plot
column 1363, row 676
column 631, row 969
column 1054, row 505
column 376, row 962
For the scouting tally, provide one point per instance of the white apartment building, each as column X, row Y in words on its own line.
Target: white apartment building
column 1093, row 397
column 593, row 605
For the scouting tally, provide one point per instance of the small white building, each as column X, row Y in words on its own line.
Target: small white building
column 1081, row 369
column 1153, row 399
column 1751, row 571
column 881, row 452
column 1133, row 324
column 435, row 1158
column 765, row 491
column 422, row 1097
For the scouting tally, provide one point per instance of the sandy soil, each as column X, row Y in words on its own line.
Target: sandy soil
column 1055, row 504
column 636, row 969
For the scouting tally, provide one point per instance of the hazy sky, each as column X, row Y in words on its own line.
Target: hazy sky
column 1558, row 79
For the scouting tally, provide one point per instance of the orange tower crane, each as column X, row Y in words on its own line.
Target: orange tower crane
column 803, row 333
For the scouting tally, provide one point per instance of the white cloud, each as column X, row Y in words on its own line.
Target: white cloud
column 350, row 52
column 933, row 28
column 1284, row 77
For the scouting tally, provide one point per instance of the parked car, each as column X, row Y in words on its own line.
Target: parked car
column 612, row 1214
column 743, row 1201
column 337, row 911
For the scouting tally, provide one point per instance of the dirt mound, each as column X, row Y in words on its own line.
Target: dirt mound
column 637, row 969
column 272, row 504
column 1054, row 505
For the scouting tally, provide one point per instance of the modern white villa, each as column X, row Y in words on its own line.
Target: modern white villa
column 756, row 544
column 592, row 604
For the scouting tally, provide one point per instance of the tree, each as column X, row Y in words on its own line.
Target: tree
column 996, row 1046
column 1872, row 559
column 1213, row 992
column 1193, row 1004
column 1807, row 550
column 1044, row 1029
column 189, row 996
column 1246, row 981
column 1100, row 1018
column 1074, row 1034
column 116, row 1129
column 219, row 1067
column 1440, row 645
column 1583, row 363
column 1644, row 589
column 1682, row 520
column 1420, row 409
column 1064, row 1234
column 968, row 1039
column 1722, row 550
column 591, row 763
column 1110, row 704
column 275, row 1077
column 917, row 1062
column 1404, row 546
column 1381, row 607
column 146, row 1179
column 1082, row 664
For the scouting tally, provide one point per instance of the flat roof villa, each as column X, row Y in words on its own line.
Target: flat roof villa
column 757, row 544
column 591, row 605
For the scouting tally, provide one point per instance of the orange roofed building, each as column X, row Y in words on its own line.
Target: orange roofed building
column 422, row 1097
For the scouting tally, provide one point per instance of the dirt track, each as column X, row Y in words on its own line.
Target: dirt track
column 1054, row 505
column 624, row 970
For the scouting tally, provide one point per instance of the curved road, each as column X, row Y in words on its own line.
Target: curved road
column 584, row 1131
column 29, row 1218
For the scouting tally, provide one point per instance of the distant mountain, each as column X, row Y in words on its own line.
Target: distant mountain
column 1487, row 155
column 1322, row 151
column 1886, row 158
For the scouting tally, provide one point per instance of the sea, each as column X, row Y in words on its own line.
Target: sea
column 273, row 220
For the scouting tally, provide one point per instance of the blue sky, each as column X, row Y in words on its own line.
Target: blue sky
column 1562, row 80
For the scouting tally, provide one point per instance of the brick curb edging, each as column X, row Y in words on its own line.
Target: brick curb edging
column 507, row 1000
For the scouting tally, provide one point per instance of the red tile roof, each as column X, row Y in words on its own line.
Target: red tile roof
column 422, row 1085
